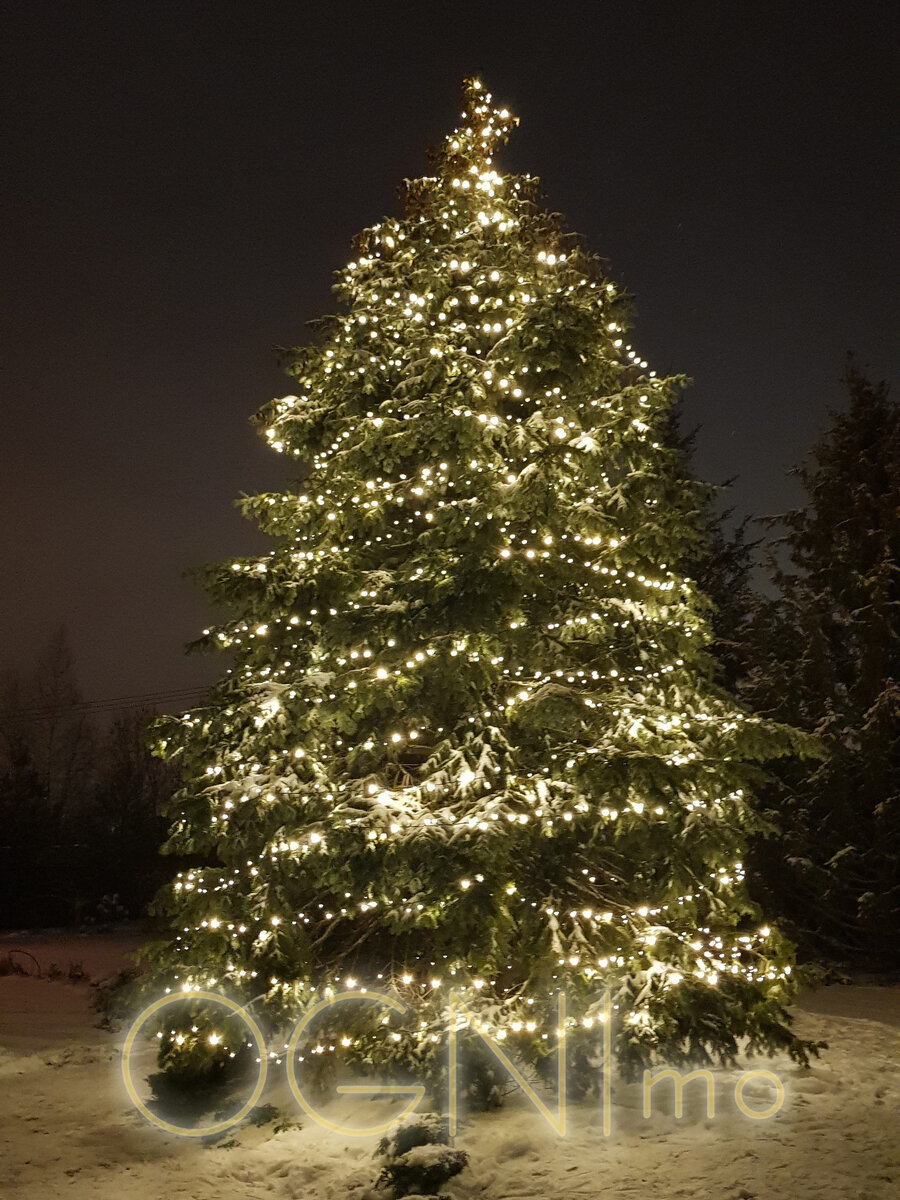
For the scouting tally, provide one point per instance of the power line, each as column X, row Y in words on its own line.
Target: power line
column 160, row 699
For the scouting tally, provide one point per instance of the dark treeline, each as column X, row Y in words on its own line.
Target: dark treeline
column 80, row 804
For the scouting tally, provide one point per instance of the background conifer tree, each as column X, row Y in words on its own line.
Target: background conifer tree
column 472, row 737
column 825, row 654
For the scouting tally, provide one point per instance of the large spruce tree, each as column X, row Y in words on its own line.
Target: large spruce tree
column 471, row 737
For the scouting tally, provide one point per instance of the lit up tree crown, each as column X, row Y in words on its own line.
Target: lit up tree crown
column 471, row 737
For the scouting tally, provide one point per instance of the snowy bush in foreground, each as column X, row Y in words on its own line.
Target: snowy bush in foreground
column 419, row 1158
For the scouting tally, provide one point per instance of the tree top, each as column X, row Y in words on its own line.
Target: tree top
column 485, row 125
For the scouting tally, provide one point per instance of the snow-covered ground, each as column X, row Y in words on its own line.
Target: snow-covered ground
column 68, row 1129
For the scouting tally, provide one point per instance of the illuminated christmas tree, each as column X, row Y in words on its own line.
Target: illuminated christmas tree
column 471, row 738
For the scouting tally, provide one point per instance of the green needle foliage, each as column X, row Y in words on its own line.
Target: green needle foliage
column 472, row 737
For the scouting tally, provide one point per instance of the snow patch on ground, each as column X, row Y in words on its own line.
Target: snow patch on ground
column 68, row 1129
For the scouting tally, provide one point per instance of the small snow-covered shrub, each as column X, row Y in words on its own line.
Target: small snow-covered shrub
column 422, row 1169
column 421, row 1130
column 419, row 1158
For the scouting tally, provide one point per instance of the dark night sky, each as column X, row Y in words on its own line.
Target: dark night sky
column 181, row 180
